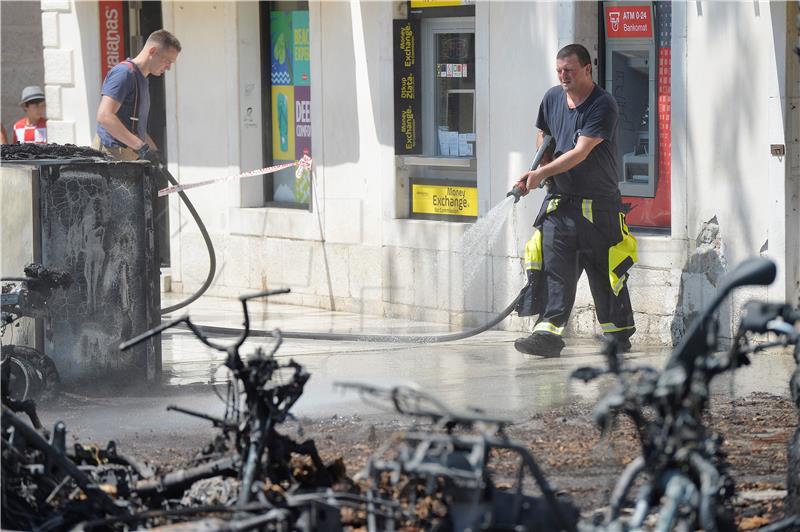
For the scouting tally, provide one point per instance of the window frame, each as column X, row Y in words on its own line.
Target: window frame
column 265, row 8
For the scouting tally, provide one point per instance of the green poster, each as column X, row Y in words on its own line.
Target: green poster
column 301, row 70
column 282, row 47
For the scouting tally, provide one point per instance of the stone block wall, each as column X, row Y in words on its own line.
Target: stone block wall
column 420, row 284
column 21, row 28
column 59, row 70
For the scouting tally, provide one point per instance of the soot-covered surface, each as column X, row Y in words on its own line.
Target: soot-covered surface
column 97, row 224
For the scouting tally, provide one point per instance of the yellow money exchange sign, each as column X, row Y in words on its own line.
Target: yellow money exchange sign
column 438, row 3
column 447, row 200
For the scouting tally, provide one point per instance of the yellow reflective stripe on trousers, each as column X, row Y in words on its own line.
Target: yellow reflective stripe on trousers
column 617, row 286
column 586, row 208
column 533, row 251
column 610, row 328
column 619, row 253
column 544, row 326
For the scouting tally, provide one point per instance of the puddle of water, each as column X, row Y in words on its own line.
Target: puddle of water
column 477, row 242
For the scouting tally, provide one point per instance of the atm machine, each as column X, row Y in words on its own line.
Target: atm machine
column 630, row 75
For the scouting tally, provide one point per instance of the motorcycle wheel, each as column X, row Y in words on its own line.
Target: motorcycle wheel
column 33, row 374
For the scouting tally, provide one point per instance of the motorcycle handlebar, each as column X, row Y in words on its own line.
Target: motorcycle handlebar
column 152, row 332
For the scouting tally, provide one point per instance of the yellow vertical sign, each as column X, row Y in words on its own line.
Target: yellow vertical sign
column 444, row 200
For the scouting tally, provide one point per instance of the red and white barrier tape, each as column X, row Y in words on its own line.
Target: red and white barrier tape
column 305, row 162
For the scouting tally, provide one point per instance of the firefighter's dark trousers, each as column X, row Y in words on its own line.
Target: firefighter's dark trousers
column 573, row 235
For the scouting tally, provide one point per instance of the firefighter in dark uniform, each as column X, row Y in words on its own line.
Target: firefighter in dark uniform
column 581, row 225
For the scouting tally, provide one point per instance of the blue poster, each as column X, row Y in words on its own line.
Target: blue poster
column 302, row 50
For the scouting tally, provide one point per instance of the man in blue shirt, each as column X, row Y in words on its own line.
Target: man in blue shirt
column 125, row 102
column 581, row 225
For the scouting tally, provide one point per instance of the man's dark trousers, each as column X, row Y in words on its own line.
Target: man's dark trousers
column 573, row 241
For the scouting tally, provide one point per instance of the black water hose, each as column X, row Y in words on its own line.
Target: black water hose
column 212, row 258
column 382, row 338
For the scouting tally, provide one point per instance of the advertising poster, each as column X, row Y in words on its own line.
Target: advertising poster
column 302, row 122
column 302, row 50
column 302, row 185
column 407, row 95
column 282, row 47
column 283, row 125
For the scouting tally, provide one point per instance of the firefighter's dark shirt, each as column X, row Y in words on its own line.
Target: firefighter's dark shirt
column 596, row 177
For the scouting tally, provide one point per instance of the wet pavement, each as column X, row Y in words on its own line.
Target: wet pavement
column 483, row 371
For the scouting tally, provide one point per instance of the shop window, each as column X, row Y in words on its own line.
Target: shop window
column 450, row 104
column 637, row 73
column 286, row 100
column 435, row 112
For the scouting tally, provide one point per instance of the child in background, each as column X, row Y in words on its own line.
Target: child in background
column 33, row 126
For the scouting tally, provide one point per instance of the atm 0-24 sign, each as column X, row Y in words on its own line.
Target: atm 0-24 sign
column 629, row 22
column 442, row 199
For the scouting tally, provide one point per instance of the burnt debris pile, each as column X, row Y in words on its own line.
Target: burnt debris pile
column 441, row 470
column 438, row 475
column 24, row 152
column 249, row 477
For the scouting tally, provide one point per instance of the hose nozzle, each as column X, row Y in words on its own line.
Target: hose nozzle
column 519, row 190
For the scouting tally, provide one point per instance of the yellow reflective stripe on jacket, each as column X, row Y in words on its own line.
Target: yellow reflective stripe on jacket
column 620, row 253
column 533, row 251
column 586, row 209
column 552, row 205
column 610, row 328
column 544, row 326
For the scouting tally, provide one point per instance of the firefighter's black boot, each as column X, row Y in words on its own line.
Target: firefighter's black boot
column 540, row 343
column 623, row 342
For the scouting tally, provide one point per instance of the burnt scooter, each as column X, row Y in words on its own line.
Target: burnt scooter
column 47, row 487
column 763, row 326
column 27, row 374
column 269, row 495
column 446, row 463
column 687, row 483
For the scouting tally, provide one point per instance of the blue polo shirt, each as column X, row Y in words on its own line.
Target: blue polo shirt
column 120, row 84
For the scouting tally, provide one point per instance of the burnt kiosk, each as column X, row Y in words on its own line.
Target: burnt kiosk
column 78, row 212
